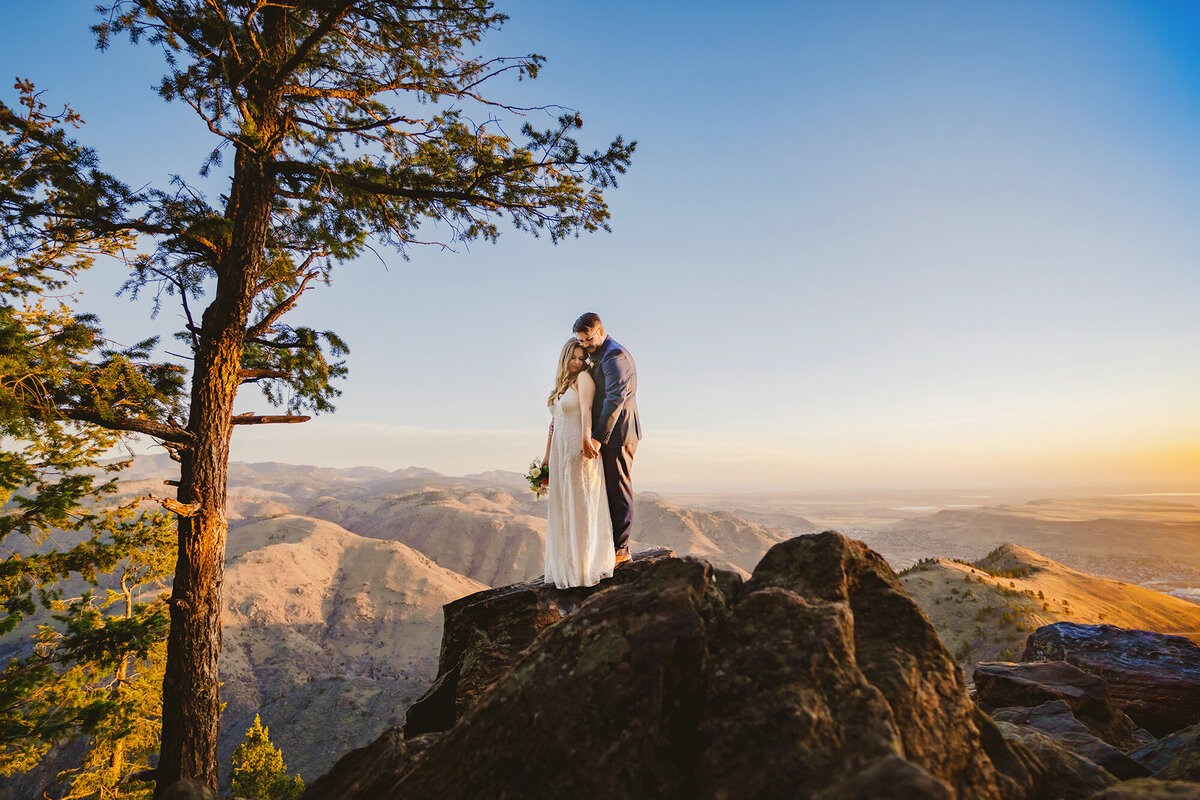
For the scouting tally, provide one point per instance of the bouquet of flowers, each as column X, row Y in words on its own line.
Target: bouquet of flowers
column 538, row 477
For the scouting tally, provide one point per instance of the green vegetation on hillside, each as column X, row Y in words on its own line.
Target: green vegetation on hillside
column 258, row 769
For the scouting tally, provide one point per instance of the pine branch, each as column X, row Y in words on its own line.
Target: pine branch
column 304, row 48
column 295, row 344
column 365, row 126
column 300, row 168
column 153, row 428
column 283, row 306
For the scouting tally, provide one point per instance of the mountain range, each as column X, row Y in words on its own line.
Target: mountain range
column 335, row 580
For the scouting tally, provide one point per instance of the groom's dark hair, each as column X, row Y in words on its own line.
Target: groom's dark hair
column 586, row 322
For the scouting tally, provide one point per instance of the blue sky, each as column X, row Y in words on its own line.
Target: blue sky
column 862, row 244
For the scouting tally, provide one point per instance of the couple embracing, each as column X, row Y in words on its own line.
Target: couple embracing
column 593, row 436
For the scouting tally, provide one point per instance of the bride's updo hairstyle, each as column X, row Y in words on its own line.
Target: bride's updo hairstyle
column 564, row 378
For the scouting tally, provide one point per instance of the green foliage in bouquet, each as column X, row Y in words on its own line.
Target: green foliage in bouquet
column 538, row 477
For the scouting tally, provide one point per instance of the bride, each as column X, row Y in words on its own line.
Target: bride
column 579, row 548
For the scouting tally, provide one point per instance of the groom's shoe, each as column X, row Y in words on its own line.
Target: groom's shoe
column 622, row 557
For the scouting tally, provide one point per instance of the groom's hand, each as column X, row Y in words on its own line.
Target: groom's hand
column 591, row 448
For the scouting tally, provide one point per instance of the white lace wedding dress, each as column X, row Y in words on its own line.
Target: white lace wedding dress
column 579, row 546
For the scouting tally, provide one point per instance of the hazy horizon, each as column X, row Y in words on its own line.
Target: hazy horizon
column 998, row 493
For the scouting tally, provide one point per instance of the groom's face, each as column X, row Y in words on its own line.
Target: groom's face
column 591, row 340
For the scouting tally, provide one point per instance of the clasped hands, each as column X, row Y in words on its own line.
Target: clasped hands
column 591, row 448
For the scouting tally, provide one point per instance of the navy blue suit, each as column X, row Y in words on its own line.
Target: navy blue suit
column 616, row 426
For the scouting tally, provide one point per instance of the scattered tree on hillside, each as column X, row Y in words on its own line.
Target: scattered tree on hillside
column 342, row 122
column 258, row 769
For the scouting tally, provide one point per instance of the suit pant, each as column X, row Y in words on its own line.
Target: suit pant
column 618, row 485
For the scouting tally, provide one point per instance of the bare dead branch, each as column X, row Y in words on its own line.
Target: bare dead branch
column 250, row 419
column 170, row 504
column 251, row 375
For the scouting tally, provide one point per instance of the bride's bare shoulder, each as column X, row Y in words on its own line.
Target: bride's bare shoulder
column 585, row 379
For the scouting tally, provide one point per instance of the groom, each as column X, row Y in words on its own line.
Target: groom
column 615, row 425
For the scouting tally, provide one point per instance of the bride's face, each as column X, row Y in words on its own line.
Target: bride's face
column 576, row 365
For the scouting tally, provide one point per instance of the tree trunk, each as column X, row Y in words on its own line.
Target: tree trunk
column 191, row 705
column 117, row 760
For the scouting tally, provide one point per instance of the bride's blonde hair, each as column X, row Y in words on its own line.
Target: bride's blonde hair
column 564, row 378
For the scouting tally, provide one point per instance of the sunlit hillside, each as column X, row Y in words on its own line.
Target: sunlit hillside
column 984, row 610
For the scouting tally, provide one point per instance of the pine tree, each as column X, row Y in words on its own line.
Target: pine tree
column 346, row 122
column 94, row 668
column 258, row 769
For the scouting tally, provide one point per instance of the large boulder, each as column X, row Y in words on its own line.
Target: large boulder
column 1056, row 720
column 890, row 778
column 817, row 678
column 1149, row 789
column 1152, row 677
column 1173, row 757
column 1059, row 773
column 1002, row 684
column 373, row 770
column 483, row 633
column 895, row 647
column 188, row 789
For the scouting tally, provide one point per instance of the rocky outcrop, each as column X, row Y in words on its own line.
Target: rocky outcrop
column 818, row 677
column 1003, row 684
column 1058, row 772
column 1056, row 720
column 1050, row 708
column 188, row 790
column 1174, row 757
column 483, row 634
column 1149, row 789
column 895, row 647
column 1153, row 678
column 371, row 771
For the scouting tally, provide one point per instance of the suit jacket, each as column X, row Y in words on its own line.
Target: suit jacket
column 614, row 410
